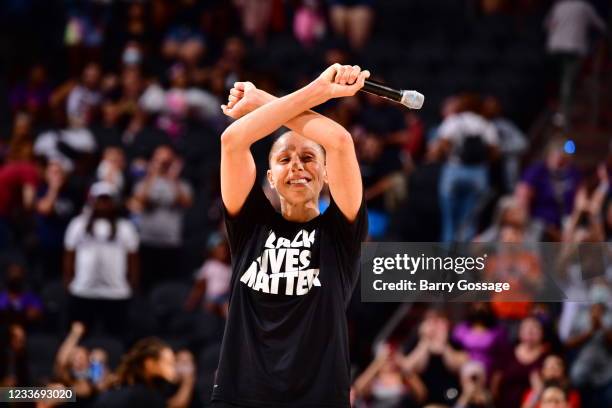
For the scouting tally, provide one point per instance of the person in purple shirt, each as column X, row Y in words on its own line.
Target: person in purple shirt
column 481, row 336
column 17, row 305
column 548, row 188
column 32, row 95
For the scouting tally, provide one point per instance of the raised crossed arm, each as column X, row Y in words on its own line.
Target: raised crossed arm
column 259, row 114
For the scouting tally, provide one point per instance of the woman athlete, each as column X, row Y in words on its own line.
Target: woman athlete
column 293, row 273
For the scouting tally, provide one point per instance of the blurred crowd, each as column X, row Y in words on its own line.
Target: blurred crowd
column 115, row 264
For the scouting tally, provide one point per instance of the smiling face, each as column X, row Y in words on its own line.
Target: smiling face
column 297, row 169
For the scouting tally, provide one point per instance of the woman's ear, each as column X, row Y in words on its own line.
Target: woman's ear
column 270, row 179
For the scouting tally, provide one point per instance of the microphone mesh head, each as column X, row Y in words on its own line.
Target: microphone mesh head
column 412, row 99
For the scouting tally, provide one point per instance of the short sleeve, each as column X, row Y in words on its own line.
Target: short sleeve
column 256, row 208
column 491, row 135
column 129, row 236
column 352, row 234
column 202, row 273
column 448, row 129
column 73, row 233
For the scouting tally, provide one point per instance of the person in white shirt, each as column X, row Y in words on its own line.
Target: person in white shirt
column 568, row 24
column 101, row 262
column 468, row 142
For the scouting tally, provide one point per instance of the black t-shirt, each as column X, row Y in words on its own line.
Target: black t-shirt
column 286, row 337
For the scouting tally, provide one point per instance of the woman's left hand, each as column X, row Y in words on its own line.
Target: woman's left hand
column 243, row 98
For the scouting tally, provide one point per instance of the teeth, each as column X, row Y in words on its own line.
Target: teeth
column 298, row 181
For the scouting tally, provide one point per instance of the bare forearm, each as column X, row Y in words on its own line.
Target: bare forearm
column 261, row 122
column 453, row 359
column 182, row 398
column 45, row 205
column 312, row 125
column 362, row 384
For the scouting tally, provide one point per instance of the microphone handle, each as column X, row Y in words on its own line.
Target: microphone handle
column 376, row 88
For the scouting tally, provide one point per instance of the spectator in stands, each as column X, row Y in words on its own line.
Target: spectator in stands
column 510, row 212
column 555, row 396
column 553, row 371
column 32, row 96
column 352, row 19
column 590, row 335
column 14, row 370
column 256, row 16
column 435, row 360
column 160, row 200
column 512, row 142
column 474, row 392
column 107, row 130
column 568, row 25
column 548, row 188
column 481, row 336
column 111, row 168
column 150, row 375
column 384, row 384
column 580, row 259
column 380, row 170
column 469, row 143
column 519, row 266
column 85, row 96
column 178, row 103
column 18, row 194
column 21, row 144
column 213, row 278
column 140, row 139
column 588, row 208
column 185, row 45
column 131, row 86
column 511, row 381
column 57, row 202
column 308, row 23
column 101, row 263
column 72, row 365
column 17, row 304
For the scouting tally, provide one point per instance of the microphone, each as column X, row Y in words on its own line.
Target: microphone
column 411, row 99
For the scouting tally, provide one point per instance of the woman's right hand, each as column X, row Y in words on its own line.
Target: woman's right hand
column 341, row 80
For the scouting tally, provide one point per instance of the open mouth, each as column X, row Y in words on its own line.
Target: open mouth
column 299, row 181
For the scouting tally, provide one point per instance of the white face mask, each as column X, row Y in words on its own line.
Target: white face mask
column 131, row 56
column 102, row 229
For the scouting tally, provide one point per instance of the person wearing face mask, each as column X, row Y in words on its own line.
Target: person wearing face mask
column 293, row 272
column 101, row 262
